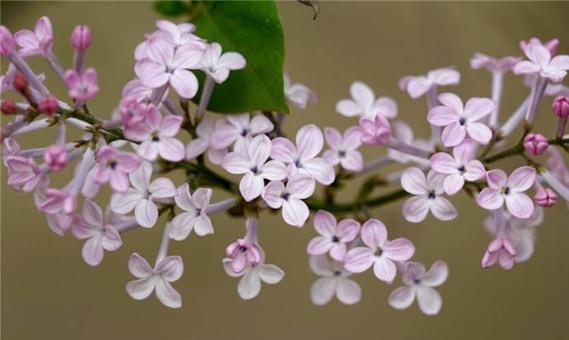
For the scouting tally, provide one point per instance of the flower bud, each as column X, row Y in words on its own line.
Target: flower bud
column 56, row 157
column 48, row 105
column 561, row 106
column 7, row 43
column 20, row 83
column 375, row 132
column 535, row 144
column 81, row 38
column 9, row 107
column 545, row 197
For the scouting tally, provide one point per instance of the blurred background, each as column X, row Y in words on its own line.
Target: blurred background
column 48, row 292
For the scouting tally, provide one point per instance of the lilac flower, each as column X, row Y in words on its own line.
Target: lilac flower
column 144, row 196
column 99, row 230
column 114, row 166
column 375, row 131
column 239, row 128
column 298, row 94
column 364, row 103
column 251, row 161
column 157, row 137
column 156, row 279
column 551, row 45
column 545, row 197
column 510, row 190
column 217, row 65
column 499, row 251
column 179, row 34
column 82, row 86
column 23, row 173
column 194, row 216
column 344, row 149
column 535, row 144
column 289, row 197
column 252, row 275
column 169, row 65
column 38, row 42
column 417, row 86
column 203, row 143
column 7, row 42
column 419, row 284
column 245, row 251
column 427, row 196
column 403, row 133
column 334, row 280
column 492, row 64
column 302, row 156
column 540, row 62
column 333, row 235
column 461, row 120
column 56, row 157
column 459, row 167
column 379, row 252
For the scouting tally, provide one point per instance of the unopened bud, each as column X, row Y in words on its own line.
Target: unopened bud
column 545, row 197
column 535, row 144
column 9, row 107
column 81, row 38
column 561, row 106
column 48, row 105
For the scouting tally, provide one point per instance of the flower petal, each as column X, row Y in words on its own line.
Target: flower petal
column 415, row 209
column 443, row 209
column 251, row 186
column 384, row 269
column 413, row 181
column 429, row 300
column 374, row 233
column 167, row 295
column 519, row 205
column 522, row 179
column 295, row 212
column 323, row 290
column 146, row 213
column 250, row 285
column 348, row 291
column 453, row 134
column 402, row 297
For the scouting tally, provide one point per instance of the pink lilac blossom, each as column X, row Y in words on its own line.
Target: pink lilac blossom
column 403, row 133
column 157, row 279
column 535, row 144
column 298, row 94
column 38, row 42
column 499, row 251
column 459, row 167
column 82, row 86
column 302, row 157
column 461, row 120
column 251, row 161
column 509, row 190
column 427, row 193
column 114, row 166
column 56, row 157
column 194, row 216
column 144, row 196
column 545, row 197
column 417, row 86
column 217, row 65
column 334, row 281
column 376, row 131
column 560, row 106
column 420, row 285
column 235, row 130
column 495, row 65
column 541, row 62
column 378, row 252
column 551, row 45
column 157, row 135
column 81, row 38
column 203, row 142
column 365, row 104
column 289, row 198
column 245, row 251
column 344, row 148
column 334, row 236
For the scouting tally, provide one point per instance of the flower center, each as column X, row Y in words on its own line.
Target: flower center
column 378, row 252
column 285, row 196
column 342, row 154
column 432, row 195
column 335, row 239
column 462, row 121
column 416, row 281
column 244, row 133
column 337, row 273
column 255, row 170
column 113, row 164
column 506, row 191
column 297, row 163
column 461, row 168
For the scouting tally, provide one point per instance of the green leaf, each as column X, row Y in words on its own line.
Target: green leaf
column 171, row 8
column 252, row 28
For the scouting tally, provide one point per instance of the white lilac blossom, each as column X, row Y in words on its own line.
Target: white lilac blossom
column 334, row 281
column 427, row 193
column 419, row 285
column 143, row 137
column 302, row 157
column 144, row 196
column 298, row 94
column 365, row 104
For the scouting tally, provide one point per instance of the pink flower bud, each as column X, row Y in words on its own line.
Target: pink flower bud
column 500, row 251
column 561, row 106
column 535, row 144
column 9, row 107
column 56, row 157
column 81, row 38
column 20, row 83
column 7, row 43
column 242, row 253
column 48, row 105
column 375, row 132
column 545, row 197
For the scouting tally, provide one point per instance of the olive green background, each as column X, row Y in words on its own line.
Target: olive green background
column 48, row 292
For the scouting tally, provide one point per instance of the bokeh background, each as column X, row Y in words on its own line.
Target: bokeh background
column 48, row 292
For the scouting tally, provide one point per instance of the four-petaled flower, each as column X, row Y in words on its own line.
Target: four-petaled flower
column 428, row 196
column 461, row 120
column 501, row 251
column 114, row 166
column 302, row 156
column 238, row 129
column 156, row 279
column 344, row 149
column 492, row 64
column 379, row 252
column 333, row 235
column 540, row 62
column 510, row 190
column 82, row 86
column 38, row 42
column 298, row 94
column 364, row 103
column 99, row 230
column 144, row 196
column 419, row 284
column 334, row 280
column 194, row 216
column 217, row 65
column 289, row 197
column 458, row 167
column 157, row 137
column 251, row 161
column 416, row 86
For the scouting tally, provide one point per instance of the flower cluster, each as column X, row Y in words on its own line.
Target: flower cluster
column 153, row 132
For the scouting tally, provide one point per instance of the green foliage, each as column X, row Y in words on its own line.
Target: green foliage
column 171, row 8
